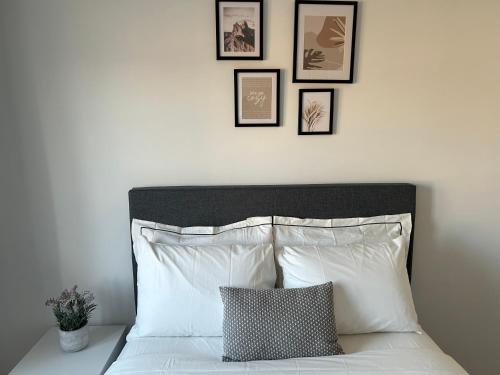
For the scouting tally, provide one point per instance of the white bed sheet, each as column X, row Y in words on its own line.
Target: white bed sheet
column 374, row 353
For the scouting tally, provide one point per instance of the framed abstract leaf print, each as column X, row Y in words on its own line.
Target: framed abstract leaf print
column 324, row 41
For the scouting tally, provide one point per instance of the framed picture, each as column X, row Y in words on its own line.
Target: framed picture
column 316, row 111
column 257, row 97
column 239, row 29
column 324, row 40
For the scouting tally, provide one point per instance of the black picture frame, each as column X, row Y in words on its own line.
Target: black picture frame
column 354, row 4
column 331, row 111
column 276, row 100
column 260, row 56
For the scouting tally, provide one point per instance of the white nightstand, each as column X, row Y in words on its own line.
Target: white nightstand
column 47, row 358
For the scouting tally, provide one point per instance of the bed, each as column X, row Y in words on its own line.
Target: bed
column 373, row 353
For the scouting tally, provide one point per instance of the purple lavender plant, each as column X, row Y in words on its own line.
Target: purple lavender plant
column 72, row 309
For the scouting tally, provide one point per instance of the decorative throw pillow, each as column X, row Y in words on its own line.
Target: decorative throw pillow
column 278, row 323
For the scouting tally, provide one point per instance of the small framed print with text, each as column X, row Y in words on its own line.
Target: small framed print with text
column 316, row 111
column 324, row 41
column 239, row 29
column 257, row 97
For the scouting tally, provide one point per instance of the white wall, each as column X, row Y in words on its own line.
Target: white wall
column 108, row 95
column 29, row 269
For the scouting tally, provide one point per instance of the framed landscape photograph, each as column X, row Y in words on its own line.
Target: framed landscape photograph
column 257, row 97
column 239, row 29
column 316, row 111
column 324, row 41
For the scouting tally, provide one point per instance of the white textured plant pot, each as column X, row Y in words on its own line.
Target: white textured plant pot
column 73, row 341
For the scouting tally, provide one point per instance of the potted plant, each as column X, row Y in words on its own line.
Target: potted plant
column 73, row 310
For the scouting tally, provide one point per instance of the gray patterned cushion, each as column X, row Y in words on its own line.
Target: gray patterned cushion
column 278, row 323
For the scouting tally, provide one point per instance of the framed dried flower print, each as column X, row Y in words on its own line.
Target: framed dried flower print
column 316, row 111
column 257, row 97
column 239, row 29
column 324, row 41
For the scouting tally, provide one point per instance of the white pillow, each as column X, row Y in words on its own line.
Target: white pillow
column 178, row 286
column 252, row 231
column 290, row 231
column 370, row 283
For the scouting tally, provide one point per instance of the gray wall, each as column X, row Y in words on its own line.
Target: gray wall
column 112, row 94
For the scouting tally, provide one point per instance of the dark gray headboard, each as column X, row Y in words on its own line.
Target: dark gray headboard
column 220, row 205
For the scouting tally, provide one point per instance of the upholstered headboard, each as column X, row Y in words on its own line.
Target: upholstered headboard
column 220, row 205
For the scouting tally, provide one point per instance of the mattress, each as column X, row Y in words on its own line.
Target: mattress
column 374, row 353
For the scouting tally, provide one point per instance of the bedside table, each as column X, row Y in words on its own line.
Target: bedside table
column 47, row 358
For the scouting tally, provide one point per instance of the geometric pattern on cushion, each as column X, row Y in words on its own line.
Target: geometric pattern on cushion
column 271, row 324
